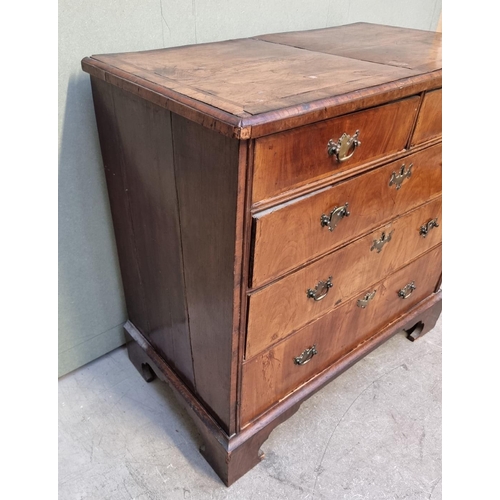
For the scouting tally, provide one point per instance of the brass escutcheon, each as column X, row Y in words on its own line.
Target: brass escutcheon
column 306, row 356
column 320, row 290
column 405, row 292
column 364, row 301
column 336, row 215
column 342, row 147
column 424, row 229
column 398, row 178
column 379, row 244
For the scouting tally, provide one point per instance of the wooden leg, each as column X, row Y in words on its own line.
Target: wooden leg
column 139, row 359
column 230, row 457
column 426, row 322
column 242, row 451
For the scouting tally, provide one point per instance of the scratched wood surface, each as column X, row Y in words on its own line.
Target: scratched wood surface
column 389, row 45
column 245, row 77
column 192, row 218
column 232, row 82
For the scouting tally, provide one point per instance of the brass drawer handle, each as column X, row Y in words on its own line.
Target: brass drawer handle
column 306, row 356
column 364, row 301
column 424, row 230
column 379, row 244
column 405, row 292
column 320, row 290
column 336, row 215
column 342, row 147
column 398, row 178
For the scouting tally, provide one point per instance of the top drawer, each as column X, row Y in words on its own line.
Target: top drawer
column 429, row 118
column 293, row 158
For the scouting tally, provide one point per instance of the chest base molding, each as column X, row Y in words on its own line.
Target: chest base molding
column 233, row 456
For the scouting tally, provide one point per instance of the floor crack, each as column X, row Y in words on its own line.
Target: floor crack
column 318, row 468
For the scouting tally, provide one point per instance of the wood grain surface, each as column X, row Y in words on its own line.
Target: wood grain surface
column 206, row 170
column 389, row 45
column 270, row 376
column 290, row 234
column 245, row 77
column 138, row 162
column 277, row 310
column 173, row 187
column 429, row 122
column 287, row 160
column 236, row 86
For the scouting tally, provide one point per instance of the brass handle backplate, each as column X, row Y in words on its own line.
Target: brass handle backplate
column 336, row 215
column 398, row 178
column 364, row 301
column 320, row 290
column 306, row 356
column 345, row 147
column 424, row 229
column 405, row 292
column 379, row 244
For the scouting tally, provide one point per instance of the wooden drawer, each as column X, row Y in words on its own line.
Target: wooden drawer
column 279, row 309
column 291, row 234
column 290, row 159
column 273, row 374
column 429, row 119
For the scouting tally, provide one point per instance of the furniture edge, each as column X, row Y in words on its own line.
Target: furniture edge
column 263, row 123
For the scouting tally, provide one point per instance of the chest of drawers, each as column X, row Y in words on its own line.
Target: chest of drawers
column 276, row 203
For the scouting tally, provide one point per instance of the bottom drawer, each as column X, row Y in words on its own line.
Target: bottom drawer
column 274, row 373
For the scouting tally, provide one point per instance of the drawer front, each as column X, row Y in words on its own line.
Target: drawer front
column 429, row 119
column 292, row 234
column 273, row 374
column 279, row 309
column 293, row 158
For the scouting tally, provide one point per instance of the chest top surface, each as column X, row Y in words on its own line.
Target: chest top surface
column 248, row 82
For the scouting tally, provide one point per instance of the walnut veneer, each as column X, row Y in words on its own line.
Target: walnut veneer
column 276, row 203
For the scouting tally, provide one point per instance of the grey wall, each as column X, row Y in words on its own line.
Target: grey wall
column 91, row 305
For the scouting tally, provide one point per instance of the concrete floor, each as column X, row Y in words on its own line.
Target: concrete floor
column 374, row 433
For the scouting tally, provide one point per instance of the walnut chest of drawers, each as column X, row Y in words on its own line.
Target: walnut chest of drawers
column 276, row 203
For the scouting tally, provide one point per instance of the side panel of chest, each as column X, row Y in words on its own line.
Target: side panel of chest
column 173, row 190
